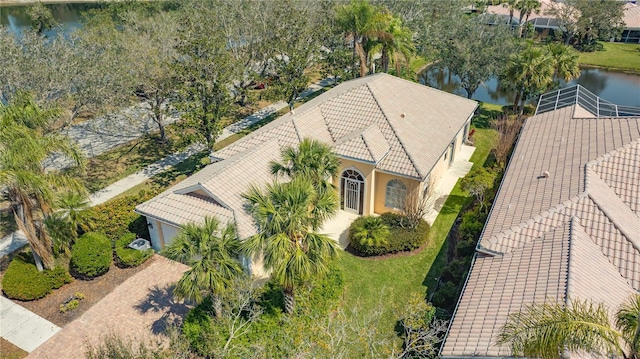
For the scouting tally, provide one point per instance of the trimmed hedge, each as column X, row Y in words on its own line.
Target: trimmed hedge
column 23, row 281
column 116, row 217
column 400, row 237
column 128, row 257
column 91, row 255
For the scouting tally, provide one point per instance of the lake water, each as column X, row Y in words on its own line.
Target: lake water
column 69, row 16
column 616, row 87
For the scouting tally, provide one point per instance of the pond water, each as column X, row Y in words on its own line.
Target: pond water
column 69, row 16
column 616, row 87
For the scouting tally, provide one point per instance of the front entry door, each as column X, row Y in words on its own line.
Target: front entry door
column 352, row 195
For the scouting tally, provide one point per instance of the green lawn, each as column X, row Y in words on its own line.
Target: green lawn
column 390, row 281
column 616, row 56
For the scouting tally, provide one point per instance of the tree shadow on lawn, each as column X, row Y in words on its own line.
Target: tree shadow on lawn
column 161, row 299
column 484, row 115
column 453, row 206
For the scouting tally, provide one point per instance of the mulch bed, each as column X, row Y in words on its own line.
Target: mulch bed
column 93, row 291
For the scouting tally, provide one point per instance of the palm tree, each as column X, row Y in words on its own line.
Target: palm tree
column 361, row 21
column 369, row 231
column 565, row 62
column 528, row 72
column 212, row 253
column 71, row 216
column 394, row 41
column 25, row 143
column 312, row 159
column 526, row 8
column 287, row 216
column 511, row 6
column 548, row 330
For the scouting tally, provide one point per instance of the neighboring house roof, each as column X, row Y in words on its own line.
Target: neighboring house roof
column 572, row 235
column 545, row 16
column 631, row 16
column 546, row 6
column 399, row 126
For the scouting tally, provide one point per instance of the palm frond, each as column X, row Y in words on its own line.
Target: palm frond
column 546, row 330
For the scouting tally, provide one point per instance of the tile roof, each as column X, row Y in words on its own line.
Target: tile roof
column 631, row 17
column 560, row 265
column 400, row 126
column 592, row 192
column 367, row 145
column 492, row 291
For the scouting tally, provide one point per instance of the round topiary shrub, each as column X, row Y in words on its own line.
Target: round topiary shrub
column 23, row 281
column 368, row 235
column 91, row 255
column 128, row 257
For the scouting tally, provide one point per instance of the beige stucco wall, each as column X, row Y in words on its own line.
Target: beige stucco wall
column 381, row 180
column 367, row 171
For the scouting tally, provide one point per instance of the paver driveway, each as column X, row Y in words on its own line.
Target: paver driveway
column 139, row 309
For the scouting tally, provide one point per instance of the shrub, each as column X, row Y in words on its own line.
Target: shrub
column 465, row 248
column 23, row 281
column 58, row 277
column 400, row 238
column 91, row 255
column 472, row 224
column 446, row 296
column 456, row 270
column 128, row 257
column 368, row 231
column 116, row 217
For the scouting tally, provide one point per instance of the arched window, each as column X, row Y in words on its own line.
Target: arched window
column 396, row 193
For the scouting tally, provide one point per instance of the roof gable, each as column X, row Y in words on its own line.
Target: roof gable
column 367, row 145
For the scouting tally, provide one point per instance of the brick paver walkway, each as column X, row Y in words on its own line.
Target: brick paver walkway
column 138, row 309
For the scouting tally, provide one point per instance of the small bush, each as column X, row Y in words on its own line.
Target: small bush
column 91, row 255
column 446, row 296
column 456, row 270
column 58, row 277
column 116, row 217
column 23, row 281
column 128, row 257
column 465, row 248
column 471, row 224
column 71, row 303
column 367, row 234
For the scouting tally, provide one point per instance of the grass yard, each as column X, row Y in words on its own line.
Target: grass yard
column 616, row 56
column 10, row 351
column 389, row 282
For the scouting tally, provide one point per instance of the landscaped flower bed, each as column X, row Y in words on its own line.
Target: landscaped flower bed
column 389, row 233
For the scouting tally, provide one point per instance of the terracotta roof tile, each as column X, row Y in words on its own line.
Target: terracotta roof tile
column 541, row 267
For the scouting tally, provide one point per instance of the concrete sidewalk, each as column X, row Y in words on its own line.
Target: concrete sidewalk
column 23, row 328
